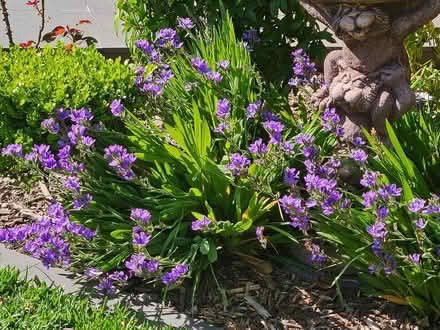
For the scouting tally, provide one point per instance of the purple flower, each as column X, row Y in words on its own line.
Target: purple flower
column 382, row 212
column 88, row 141
column 200, row 65
column 330, row 121
column 152, row 266
column 359, row 155
column 357, row 141
column 223, row 108
column 140, row 215
column 120, row 160
column 416, row 205
column 143, row 45
column 106, row 285
column 274, row 128
column 135, row 262
column 258, row 147
column 72, row 183
column 287, row 147
column 81, row 202
column 185, row 23
column 64, row 152
column 117, row 108
column 291, row 176
column 62, row 114
column 317, row 256
column 238, row 164
column 369, row 198
column 389, row 190
column 221, row 128
column 420, row 224
column 153, row 88
column 176, row 273
column 140, row 238
column 414, row 258
column 378, row 231
column 372, row 269
column 92, row 273
column 81, row 115
column 224, row 65
column 14, row 150
column 304, row 139
column 269, row 116
column 201, row 224
column 214, row 76
column 259, row 232
column 51, row 125
column 166, row 34
column 369, row 179
column 253, row 108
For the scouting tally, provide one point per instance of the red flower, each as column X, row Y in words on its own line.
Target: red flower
column 33, row 3
column 26, row 44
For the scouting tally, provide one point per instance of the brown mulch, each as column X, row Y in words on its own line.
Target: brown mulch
column 247, row 298
column 280, row 301
column 21, row 203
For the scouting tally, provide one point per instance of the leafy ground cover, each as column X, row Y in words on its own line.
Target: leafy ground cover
column 31, row 304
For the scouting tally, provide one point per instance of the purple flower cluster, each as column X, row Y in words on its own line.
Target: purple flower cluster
column 359, row 155
column 120, row 160
column 258, row 147
column 168, row 38
column 51, row 125
column 238, row 165
column 138, row 264
column 297, row 210
column 203, row 68
column 117, row 108
column 303, row 69
column 274, row 128
column 140, row 215
column 185, row 23
column 291, row 176
column 153, row 84
column 318, row 257
column 202, row 224
column 254, row 108
column 177, row 272
column 13, row 150
column 140, row 237
column 223, row 109
column 330, row 121
column 45, row 239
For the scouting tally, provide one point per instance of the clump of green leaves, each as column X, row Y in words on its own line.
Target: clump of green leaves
column 278, row 25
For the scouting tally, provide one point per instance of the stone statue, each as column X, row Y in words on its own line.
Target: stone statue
column 367, row 81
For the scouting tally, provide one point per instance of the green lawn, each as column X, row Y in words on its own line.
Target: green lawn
column 29, row 304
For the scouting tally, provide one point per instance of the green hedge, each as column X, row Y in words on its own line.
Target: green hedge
column 34, row 84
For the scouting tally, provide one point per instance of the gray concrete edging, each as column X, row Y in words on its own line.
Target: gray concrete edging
column 141, row 305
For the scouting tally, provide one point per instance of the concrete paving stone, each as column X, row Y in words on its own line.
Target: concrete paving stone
column 139, row 303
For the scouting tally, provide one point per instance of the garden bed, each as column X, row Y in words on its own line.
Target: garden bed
column 278, row 300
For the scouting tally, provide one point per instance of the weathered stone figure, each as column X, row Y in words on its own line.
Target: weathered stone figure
column 367, row 81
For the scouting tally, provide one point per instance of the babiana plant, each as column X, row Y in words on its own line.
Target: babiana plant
column 167, row 200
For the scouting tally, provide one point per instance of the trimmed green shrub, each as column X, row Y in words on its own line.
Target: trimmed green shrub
column 36, row 82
